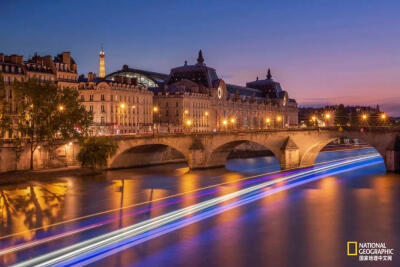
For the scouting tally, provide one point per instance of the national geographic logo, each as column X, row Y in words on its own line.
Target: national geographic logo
column 351, row 248
column 370, row 251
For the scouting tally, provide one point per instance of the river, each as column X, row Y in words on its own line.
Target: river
column 305, row 225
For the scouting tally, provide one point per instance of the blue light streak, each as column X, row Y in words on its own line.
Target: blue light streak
column 107, row 244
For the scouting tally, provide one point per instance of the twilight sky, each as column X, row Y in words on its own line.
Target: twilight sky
column 337, row 51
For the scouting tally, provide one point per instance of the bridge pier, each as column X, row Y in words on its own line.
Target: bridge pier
column 290, row 155
column 392, row 159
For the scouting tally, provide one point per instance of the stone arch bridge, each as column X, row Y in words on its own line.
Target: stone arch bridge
column 294, row 148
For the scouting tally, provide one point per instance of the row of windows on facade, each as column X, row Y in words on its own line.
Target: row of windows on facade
column 116, row 108
column 12, row 69
column 42, row 78
column 126, row 121
column 15, row 69
column 68, row 77
column 126, row 99
column 123, row 122
column 62, row 67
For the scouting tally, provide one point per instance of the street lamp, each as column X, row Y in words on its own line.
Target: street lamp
column 155, row 110
column 327, row 116
column 61, row 108
column 383, row 116
column 364, row 117
column 279, row 119
column 188, row 124
column 267, row 122
column 314, row 120
column 122, row 106
column 206, row 113
column 225, row 123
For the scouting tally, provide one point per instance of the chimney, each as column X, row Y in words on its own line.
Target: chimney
column 91, row 77
column 66, row 58
column 16, row 59
column 48, row 61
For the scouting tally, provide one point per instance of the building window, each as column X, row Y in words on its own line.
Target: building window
column 82, row 98
column 91, row 108
column 91, row 98
column 102, row 98
column 102, row 120
column 111, row 97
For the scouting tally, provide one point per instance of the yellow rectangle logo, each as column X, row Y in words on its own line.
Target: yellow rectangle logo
column 351, row 248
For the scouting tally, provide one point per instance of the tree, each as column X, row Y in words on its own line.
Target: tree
column 45, row 113
column 94, row 151
column 5, row 121
column 341, row 116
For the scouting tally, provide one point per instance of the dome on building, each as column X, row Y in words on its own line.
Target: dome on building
column 198, row 73
column 268, row 86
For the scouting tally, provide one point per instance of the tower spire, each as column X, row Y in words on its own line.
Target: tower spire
column 200, row 59
column 269, row 76
column 102, row 63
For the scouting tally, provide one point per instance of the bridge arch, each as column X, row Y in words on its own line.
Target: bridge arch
column 310, row 155
column 135, row 155
column 219, row 154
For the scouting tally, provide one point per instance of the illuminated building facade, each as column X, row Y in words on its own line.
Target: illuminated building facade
column 194, row 98
column 120, row 106
column 62, row 70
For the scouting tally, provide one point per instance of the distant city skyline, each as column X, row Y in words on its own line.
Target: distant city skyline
column 322, row 53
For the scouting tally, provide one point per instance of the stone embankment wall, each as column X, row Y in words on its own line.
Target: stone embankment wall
column 64, row 155
column 13, row 158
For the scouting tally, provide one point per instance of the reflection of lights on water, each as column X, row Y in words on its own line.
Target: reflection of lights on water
column 113, row 242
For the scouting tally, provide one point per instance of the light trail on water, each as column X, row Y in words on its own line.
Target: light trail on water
column 106, row 244
column 165, row 202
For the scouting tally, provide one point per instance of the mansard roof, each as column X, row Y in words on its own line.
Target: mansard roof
column 268, row 86
column 245, row 91
column 199, row 73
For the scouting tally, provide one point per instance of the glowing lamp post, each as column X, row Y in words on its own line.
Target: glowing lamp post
column 314, row 120
column 267, row 122
column 233, row 121
column 122, row 107
column 364, row 117
column 155, row 112
column 225, row 123
column 188, row 124
column 279, row 120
